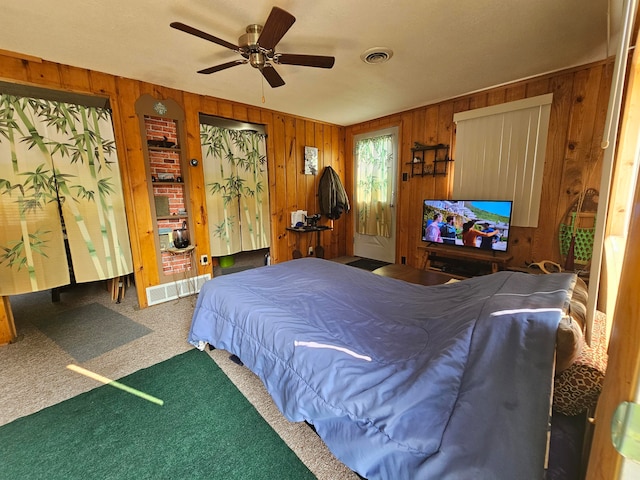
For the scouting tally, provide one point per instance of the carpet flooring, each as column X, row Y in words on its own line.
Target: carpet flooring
column 367, row 264
column 89, row 331
column 206, row 428
column 34, row 373
column 230, row 270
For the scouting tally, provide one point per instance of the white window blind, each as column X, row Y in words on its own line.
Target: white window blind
column 500, row 155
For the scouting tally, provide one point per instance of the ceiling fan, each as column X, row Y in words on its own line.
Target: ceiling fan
column 257, row 47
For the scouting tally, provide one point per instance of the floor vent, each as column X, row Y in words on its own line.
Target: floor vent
column 179, row 288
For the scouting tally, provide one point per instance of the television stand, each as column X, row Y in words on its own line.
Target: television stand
column 465, row 262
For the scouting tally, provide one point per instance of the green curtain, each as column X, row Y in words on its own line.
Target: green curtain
column 374, row 157
column 235, row 175
column 59, row 180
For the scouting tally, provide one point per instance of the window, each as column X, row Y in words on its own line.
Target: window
column 500, row 155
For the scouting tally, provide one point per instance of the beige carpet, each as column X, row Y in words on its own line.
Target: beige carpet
column 34, row 371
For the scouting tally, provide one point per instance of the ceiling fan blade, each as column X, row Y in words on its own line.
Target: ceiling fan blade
column 273, row 77
column 278, row 23
column 305, row 60
column 199, row 33
column 222, row 66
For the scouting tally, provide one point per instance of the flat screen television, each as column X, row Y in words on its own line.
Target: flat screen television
column 482, row 224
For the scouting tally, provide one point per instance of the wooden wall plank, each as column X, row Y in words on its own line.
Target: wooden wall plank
column 538, row 86
column 534, row 244
column 496, row 97
column 75, row 79
column 299, row 134
column 225, row 109
column 194, row 177
column 421, row 125
column 444, row 135
column 44, row 73
column 290, row 181
column 311, row 181
column 516, row 92
column 102, row 84
column 15, row 69
column 280, row 209
column 253, row 115
column 209, row 106
column 240, row 112
column 8, row 331
column 137, row 202
column 338, row 237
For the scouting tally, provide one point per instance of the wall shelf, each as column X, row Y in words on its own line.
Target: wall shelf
column 429, row 160
column 160, row 183
column 178, row 216
column 163, row 149
column 162, row 127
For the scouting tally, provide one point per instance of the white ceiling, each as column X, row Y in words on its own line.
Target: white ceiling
column 442, row 48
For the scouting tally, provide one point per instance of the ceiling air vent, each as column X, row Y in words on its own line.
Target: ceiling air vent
column 376, row 55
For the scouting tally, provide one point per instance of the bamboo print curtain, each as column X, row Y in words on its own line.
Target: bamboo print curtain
column 373, row 157
column 58, row 166
column 235, row 170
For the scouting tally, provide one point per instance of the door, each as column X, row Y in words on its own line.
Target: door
column 376, row 156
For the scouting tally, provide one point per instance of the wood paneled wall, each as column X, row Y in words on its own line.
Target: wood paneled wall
column 573, row 155
column 573, row 158
column 289, row 188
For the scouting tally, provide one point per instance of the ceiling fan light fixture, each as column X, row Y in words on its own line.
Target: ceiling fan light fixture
column 257, row 60
column 248, row 42
column 376, row 55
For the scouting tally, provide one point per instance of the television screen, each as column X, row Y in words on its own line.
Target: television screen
column 480, row 224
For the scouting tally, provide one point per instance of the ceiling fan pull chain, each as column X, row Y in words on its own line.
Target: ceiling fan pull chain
column 263, row 100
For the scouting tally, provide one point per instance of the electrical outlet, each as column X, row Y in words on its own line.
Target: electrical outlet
column 310, row 251
column 204, row 260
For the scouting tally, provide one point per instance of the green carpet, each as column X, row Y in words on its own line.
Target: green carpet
column 205, row 429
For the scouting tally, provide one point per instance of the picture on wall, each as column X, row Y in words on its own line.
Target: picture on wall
column 310, row 160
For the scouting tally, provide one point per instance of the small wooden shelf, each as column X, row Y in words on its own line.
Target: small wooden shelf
column 163, row 149
column 174, row 217
column 179, row 251
column 159, row 183
column 319, row 228
column 421, row 166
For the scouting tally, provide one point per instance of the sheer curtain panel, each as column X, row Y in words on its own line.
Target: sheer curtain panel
column 235, row 171
column 374, row 188
column 61, row 202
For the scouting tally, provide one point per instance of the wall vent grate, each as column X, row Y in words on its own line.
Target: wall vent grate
column 180, row 288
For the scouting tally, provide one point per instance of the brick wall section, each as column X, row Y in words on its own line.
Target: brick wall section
column 158, row 128
column 167, row 161
column 175, row 194
column 176, row 264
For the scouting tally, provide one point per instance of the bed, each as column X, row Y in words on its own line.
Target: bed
column 400, row 381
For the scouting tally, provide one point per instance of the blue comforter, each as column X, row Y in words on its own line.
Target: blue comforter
column 399, row 380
